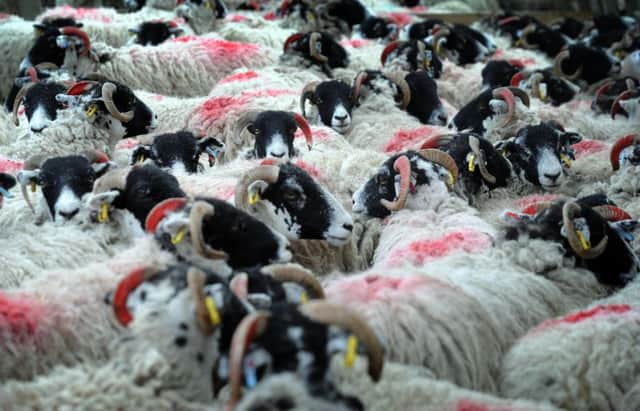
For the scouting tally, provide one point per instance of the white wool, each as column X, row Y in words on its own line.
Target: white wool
column 15, row 41
column 257, row 31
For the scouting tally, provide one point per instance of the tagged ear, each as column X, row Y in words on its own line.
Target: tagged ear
column 141, row 153
column 101, row 168
column 571, row 138
column 26, row 177
column 108, row 197
column 255, row 191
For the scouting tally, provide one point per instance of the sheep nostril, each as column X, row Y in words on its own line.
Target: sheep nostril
column 278, row 155
column 69, row 214
column 552, row 176
column 348, row 227
column 341, row 118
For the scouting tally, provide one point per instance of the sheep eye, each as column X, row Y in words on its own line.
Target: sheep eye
column 291, row 196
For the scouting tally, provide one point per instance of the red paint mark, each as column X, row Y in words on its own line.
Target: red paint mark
column 5, row 16
column 270, row 16
column 236, row 18
column 20, row 315
column 127, row 144
column 319, row 134
column 311, row 170
column 244, row 76
column 419, row 9
column 371, row 287
column 10, row 166
column 401, row 19
column 536, row 198
column 580, row 316
column 421, row 251
column 78, row 14
column 470, row 405
column 220, row 49
column 158, row 97
column 355, row 43
column 405, row 139
column 499, row 53
column 587, row 147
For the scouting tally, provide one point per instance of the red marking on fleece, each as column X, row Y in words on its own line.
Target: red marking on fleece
column 220, row 49
column 158, row 97
column 580, row 316
column 78, row 14
column 313, row 171
column 536, row 198
column 219, row 107
column 470, row 405
column 401, row 19
column 127, row 144
column 270, row 16
column 422, row 251
column 499, row 53
column 10, row 166
column 419, row 9
column 20, row 315
column 319, row 134
column 355, row 43
column 244, row 76
column 4, row 16
column 236, row 18
column 371, row 287
column 406, row 139
column 587, row 147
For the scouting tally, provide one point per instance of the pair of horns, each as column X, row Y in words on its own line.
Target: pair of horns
column 76, row 32
column 616, row 108
column 508, row 95
column 621, row 144
column 314, row 38
column 249, row 117
column 397, row 77
column 33, row 74
column 268, row 173
column 255, row 324
column 557, row 66
column 608, row 212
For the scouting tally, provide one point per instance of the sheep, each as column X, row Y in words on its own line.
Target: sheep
column 201, row 16
column 625, row 152
column 317, row 48
column 334, row 101
column 498, row 73
column 543, row 85
column 461, row 44
column 155, row 32
column 607, row 94
column 541, row 37
column 585, row 65
column 411, row 56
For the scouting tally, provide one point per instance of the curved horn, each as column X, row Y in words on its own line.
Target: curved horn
column 115, row 179
column 360, row 78
column 435, row 41
column 33, row 74
column 625, row 95
column 246, row 119
column 506, row 94
column 313, row 47
column 107, row 96
column 32, row 163
column 522, row 41
column 517, row 78
column 125, row 287
column 196, row 281
column 47, row 66
column 403, row 166
column 304, row 126
column 266, row 173
column 344, row 317
column 398, row 78
column 96, row 156
column 199, row 211
column 291, row 39
column 612, row 213
column 536, row 79
column 445, row 160
column 603, row 89
column 387, row 50
column 18, row 100
column 557, row 66
column 74, row 31
column 161, row 210
column 620, row 145
column 296, row 274
column 569, row 211
column 251, row 326
column 474, row 143
column 307, row 92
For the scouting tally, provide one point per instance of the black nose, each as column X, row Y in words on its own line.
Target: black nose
column 348, row 227
column 37, row 130
column 277, row 155
column 552, row 176
column 70, row 214
column 341, row 118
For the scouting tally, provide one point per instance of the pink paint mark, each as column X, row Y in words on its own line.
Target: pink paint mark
column 236, row 18
column 406, row 139
column 370, row 287
column 270, row 16
column 4, row 16
column 422, row 251
column 10, row 166
column 419, row 9
column 319, row 134
column 78, row 14
column 158, row 97
column 355, row 43
column 220, row 49
column 499, row 53
column 311, row 170
column 401, row 19
column 127, row 144
column 588, row 147
column 244, row 76
column 470, row 405
column 580, row 316
column 536, row 198
column 20, row 315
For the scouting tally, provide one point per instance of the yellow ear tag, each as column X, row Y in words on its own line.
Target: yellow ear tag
column 254, row 198
column 92, row 110
column 350, row 355
column 310, row 16
column 303, row 297
column 209, row 5
column 214, row 316
column 103, row 215
column 586, row 245
column 565, row 159
column 451, row 181
column 140, row 159
column 177, row 239
column 33, row 187
column 472, row 163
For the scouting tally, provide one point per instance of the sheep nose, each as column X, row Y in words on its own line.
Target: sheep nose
column 348, row 227
column 340, row 118
column 38, row 130
column 68, row 214
column 552, row 177
column 279, row 155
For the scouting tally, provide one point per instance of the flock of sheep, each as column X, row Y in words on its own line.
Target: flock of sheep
column 318, row 205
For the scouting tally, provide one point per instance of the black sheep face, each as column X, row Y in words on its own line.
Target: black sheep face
column 152, row 33
column 425, row 103
column 541, row 155
column 7, row 182
column 377, row 28
column 569, row 27
column 64, row 181
column 548, row 41
column 422, row 30
column 498, row 73
column 473, row 115
column 595, row 64
column 335, row 104
column 464, row 45
column 178, row 151
column 409, row 57
column 551, row 89
column 145, row 187
column 384, row 185
column 274, row 134
column 327, row 46
column 41, row 105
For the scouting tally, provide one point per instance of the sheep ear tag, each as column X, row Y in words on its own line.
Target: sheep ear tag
column 161, row 210
column 255, row 191
column 212, row 310
column 178, row 237
column 352, row 349
column 103, row 215
column 582, row 231
column 471, row 160
column 91, row 111
column 33, row 186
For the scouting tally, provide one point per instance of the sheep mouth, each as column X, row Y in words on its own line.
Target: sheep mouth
column 551, row 187
column 337, row 240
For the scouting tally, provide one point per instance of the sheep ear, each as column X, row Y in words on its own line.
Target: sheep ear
column 255, row 191
column 141, row 153
column 26, row 177
column 101, row 168
column 176, row 31
column 108, row 197
column 21, row 81
column 210, row 145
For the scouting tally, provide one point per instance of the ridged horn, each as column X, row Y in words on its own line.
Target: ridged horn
column 357, row 84
column 313, row 47
column 247, row 118
column 307, row 93
column 557, row 66
column 266, row 173
column 18, row 100
column 107, row 96
column 196, row 281
column 74, row 31
column 443, row 159
column 612, row 213
column 398, row 78
column 569, row 211
column 297, row 274
column 199, row 211
column 403, row 166
column 474, row 143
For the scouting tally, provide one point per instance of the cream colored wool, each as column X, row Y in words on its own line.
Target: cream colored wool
column 592, row 364
column 102, row 14
column 16, row 38
column 257, row 31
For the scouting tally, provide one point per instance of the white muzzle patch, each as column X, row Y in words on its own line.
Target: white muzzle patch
column 550, row 171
